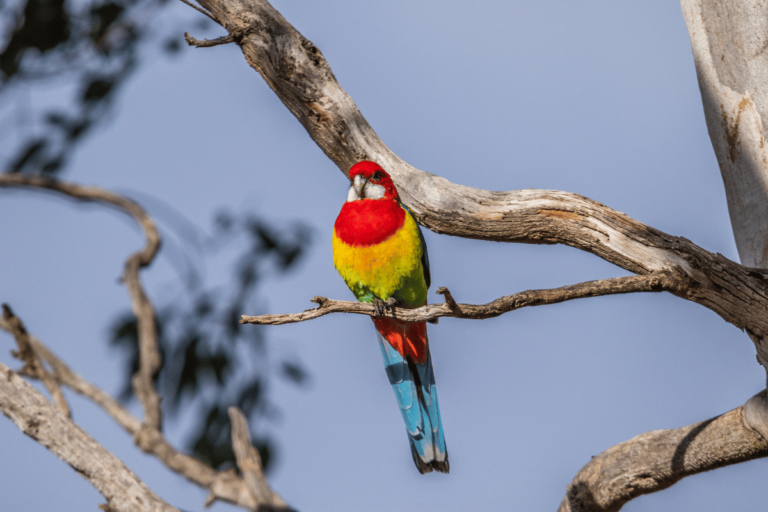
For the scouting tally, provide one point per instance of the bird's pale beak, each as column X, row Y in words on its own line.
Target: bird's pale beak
column 359, row 185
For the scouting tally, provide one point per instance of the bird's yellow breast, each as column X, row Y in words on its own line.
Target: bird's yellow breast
column 384, row 269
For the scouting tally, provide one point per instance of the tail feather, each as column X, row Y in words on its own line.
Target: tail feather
column 416, row 393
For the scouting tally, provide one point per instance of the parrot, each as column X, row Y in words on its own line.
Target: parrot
column 380, row 252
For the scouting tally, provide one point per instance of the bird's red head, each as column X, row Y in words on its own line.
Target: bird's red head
column 370, row 181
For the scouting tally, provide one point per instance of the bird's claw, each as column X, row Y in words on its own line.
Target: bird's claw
column 381, row 306
column 378, row 306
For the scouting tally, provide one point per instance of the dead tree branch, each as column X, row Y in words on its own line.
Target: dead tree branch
column 149, row 354
column 298, row 73
column 37, row 418
column 222, row 485
column 656, row 282
column 658, row 459
column 207, row 43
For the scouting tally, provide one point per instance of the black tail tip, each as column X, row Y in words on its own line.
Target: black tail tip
column 441, row 466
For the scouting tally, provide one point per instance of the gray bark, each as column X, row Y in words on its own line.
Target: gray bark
column 41, row 421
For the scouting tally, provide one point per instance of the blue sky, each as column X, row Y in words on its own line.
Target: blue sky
column 598, row 98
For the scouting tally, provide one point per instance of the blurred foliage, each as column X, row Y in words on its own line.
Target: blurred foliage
column 62, row 66
column 210, row 360
column 84, row 51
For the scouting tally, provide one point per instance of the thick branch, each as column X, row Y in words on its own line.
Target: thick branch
column 149, row 355
column 299, row 74
column 729, row 41
column 36, row 417
column 658, row 459
column 224, row 485
column 656, row 282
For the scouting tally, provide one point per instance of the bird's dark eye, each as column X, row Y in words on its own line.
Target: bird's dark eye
column 376, row 176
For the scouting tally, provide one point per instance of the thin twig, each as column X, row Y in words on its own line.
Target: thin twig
column 198, row 9
column 149, row 355
column 207, row 43
column 33, row 366
column 654, row 282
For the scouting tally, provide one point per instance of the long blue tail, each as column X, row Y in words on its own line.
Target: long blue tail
column 416, row 394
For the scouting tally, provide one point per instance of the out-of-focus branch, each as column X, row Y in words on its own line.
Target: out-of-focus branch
column 249, row 462
column 33, row 366
column 222, row 485
column 37, row 418
column 656, row 282
column 658, row 459
column 149, row 354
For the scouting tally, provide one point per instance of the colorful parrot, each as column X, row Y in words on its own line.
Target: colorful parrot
column 380, row 252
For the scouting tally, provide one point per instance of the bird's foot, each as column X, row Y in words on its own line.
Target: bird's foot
column 378, row 305
column 381, row 306
column 392, row 303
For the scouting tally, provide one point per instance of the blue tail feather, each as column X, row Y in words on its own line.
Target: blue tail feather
column 416, row 393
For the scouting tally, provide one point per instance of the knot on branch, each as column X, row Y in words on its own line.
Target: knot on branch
column 148, row 439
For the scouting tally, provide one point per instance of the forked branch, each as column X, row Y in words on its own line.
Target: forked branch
column 224, row 485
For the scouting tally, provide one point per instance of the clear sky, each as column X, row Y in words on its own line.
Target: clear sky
column 596, row 97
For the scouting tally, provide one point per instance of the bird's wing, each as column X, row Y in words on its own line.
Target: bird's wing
column 424, row 253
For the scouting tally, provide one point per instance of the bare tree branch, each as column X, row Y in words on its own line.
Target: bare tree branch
column 149, row 354
column 729, row 40
column 223, row 485
column 207, row 43
column 37, row 418
column 658, row 459
column 249, row 462
column 298, row 73
column 655, row 282
column 33, row 367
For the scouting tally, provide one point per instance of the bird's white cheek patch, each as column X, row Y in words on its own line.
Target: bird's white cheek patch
column 352, row 195
column 374, row 191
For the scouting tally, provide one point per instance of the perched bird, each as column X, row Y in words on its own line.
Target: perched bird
column 380, row 252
